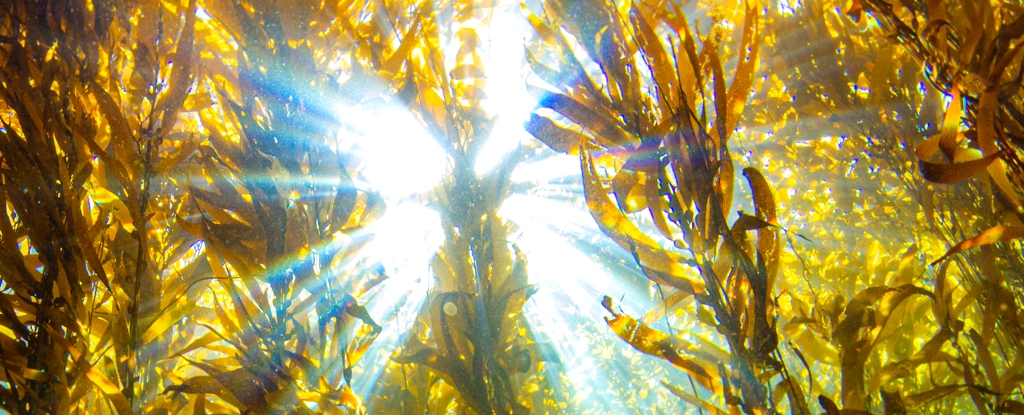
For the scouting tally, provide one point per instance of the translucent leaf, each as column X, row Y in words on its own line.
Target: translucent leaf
column 992, row 235
column 121, row 136
column 954, row 172
column 614, row 224
column 659, row 344
column 694, row 400
column 558, row 138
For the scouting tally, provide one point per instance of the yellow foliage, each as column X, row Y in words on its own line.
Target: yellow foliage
column 189, row 216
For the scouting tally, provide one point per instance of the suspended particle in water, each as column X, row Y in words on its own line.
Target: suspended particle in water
column 450, row 309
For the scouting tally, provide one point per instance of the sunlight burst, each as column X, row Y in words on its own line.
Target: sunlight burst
column 400, row 157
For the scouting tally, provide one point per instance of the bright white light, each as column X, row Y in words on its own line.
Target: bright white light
column 405, row 240
column 202, row 15
column 508, row 133
column 400, row 158
column 788, row 7
column 566, row 315
column 553, row 254
column 506, row 84
column 554, row 167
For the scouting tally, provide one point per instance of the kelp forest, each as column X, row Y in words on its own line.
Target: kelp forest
column 511, row 207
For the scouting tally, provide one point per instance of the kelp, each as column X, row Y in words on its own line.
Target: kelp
column 184, row 232
column 680, row 155
column 645, row 136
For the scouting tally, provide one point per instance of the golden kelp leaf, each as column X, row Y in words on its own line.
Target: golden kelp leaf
column 846, row 331
column 198, row 101
column 344, row 201
column 742, row 80
column 110, row 390
column 694, row 400
column 242, row 329
column 789, row 387
column 223, row 146
column 636, row 184
column 855, row 10
column 656, row 204
column 574, row 68
column 725, row 182
column 947, row 173
column 409, row 41
column 473, row 93
column 831, row 408
column 544, row 72
column 601, row 127
column 948, row 135
column 879, row 79
column 466, row 71
column 988, row 106
column 893, row 402
column 623, row 185
column 894, row 298
column 943, row 303
column 614, row 224
column 78, row 391
column 764, row 208
column 12, row 323
column 227, row 196
column 706, row 316
column 363, row 340
column 557, row 138
column 120, row 135
column 1003, row 62
column 540, row 27
column 721, row 132
column 656, row 343
column 688, row 64
column 240, row 383
column 181, row 75
column 828, row 405
column 470, row 42
column 1010, row 406
column 349, row 398
column 102, row 196
column 168, row 320
column 509, row 266
column 992, row 235
column 659, row 310
column 98, row 378
column 930, row 352
column 764, row 202
column 981, row 343
column 297, row 238
column 655, row 56
column 747, row 222
column 204, row 385
column 933, row 394
column 193, row 229
column 204, row 340
column 425, row 355
column 355, row 310
column 199, row 408
column 609, row 52
column 186, row 149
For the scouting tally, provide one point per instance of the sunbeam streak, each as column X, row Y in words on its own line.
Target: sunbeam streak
column 565, row 315
column 406, row 238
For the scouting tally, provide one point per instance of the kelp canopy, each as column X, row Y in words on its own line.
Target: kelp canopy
column 505, row 207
